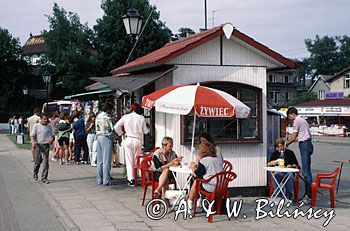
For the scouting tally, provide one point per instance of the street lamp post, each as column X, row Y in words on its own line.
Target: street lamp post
column 132, row 22
column 47, row 80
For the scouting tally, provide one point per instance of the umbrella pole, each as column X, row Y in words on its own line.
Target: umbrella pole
column 193, row 131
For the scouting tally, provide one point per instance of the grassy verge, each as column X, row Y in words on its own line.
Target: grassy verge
column 27, row 144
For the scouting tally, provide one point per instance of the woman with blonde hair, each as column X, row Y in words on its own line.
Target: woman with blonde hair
column 163, row 159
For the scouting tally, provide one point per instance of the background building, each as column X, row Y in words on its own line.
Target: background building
column 33, row 51
column 282, row 86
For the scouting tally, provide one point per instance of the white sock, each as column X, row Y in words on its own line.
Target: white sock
column 199, row 202
column 190, row 204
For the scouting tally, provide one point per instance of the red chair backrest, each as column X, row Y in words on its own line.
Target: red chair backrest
column 146, row 163
column 153, row 150
column 227, row 166
column 334, row 175
column 222, row 179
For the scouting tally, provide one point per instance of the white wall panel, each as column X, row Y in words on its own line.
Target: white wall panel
column 237, row 52
column 247, row 159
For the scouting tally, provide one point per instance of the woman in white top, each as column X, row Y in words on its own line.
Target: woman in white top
column 207, row 138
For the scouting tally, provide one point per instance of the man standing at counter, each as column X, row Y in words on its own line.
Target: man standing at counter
column 302, row 134
column 135, row 126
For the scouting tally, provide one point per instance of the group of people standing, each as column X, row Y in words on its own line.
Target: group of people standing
column 94, row 140
column 17, row 125
column 133, row 126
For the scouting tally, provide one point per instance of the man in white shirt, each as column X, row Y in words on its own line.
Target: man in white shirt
column 134, row 125
column 30, row 124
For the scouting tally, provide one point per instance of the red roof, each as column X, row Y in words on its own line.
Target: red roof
column 340, row 73
column 326, row 103
column 174, row 49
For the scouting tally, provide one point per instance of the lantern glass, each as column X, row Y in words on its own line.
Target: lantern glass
column 126, row 24
column 132, row 22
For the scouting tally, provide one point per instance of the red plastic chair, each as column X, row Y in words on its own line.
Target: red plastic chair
column 220, row 192
column 148, row 177
column 295, row 187
column 227, row 166
column 137, row 166
column 314, row 186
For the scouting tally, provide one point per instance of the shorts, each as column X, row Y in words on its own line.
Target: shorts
column 63, row 140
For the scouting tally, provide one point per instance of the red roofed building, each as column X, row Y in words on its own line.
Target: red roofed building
column 237, row 65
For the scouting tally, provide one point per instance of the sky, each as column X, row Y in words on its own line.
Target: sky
column 282, row 25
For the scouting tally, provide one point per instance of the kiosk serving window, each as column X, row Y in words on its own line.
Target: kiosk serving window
column 229, row 130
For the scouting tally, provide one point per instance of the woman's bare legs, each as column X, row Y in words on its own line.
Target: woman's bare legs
column 193, row 191
column 60, row 153
column 163, row 181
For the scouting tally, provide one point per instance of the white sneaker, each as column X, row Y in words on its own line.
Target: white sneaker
column 93, row 165
column 53, row 159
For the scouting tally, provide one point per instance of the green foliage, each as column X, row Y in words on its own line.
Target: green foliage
column 303, row 97
column 183, row 31
column 12, row 71
column 70, row 54
column 328, row 55
column 112, row 42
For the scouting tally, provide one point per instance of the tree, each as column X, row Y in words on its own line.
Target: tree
column 70, row 53
column 113, row 44
column 304, row 96
column 184, row 31
column 344, row 49
column 324, row 55
column 12, row 70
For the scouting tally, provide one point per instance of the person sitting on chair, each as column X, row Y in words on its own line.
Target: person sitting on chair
column 290, row 161
column 164, row 158
column 207, row 138
column 208, row 165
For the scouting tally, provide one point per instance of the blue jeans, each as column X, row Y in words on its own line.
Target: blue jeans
column 288, row 187
column 104, row 159
column 306, row 149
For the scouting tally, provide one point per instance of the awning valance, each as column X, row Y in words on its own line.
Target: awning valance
column 88, row 93
column 134, row 81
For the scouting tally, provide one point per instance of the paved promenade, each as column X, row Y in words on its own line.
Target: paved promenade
column 73, row 201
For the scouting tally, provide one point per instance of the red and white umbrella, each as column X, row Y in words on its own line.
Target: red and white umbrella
column 204, row 101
